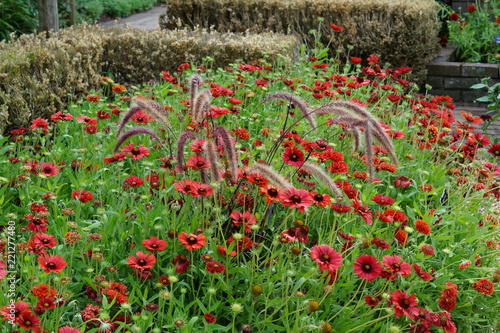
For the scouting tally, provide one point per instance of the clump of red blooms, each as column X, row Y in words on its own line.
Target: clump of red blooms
column 244, row 230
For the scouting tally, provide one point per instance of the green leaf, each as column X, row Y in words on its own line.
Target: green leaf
column 479, row 86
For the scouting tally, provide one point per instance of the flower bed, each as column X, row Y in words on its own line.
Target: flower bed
column 327, row 197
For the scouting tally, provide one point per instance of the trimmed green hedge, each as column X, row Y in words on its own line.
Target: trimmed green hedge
column 400, row 32
column 40, row 75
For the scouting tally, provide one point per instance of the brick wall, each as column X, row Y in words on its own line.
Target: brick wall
column 454, row 79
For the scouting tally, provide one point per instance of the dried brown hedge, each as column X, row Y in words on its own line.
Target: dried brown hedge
column 400, row 32
column 40, row 75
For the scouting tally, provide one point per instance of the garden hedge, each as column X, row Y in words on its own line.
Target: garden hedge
column 40, row 74
column 400, row 32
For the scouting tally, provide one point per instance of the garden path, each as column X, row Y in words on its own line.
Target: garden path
column 149, row 20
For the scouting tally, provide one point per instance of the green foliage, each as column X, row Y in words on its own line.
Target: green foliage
column 438, row 196
column 473, row 33
column 492, row 97
column 17, row 16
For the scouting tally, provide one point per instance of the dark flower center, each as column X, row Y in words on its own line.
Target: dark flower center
column 295, row 198
column 51, row 265
column 135, row 151
column 272, row 192
column 294, row 157
column 324, row 257
column 142, row 262
column 192, row 240
column 367, row 268
column 405, row 303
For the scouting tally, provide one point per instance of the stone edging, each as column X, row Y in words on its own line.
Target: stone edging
column 454, row 79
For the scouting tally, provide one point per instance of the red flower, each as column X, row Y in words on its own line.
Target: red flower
column 61, row 116
column 296, row 198
column 381, row 243
column 141, row 261
column 404, row 304
column 118, row 88
column 134, row 181
column 247, row 219
column 187, row 186
column 271, row 192
column 367, row 267
column 383, row 200
column 136, row 152
column 192, row 241
column 52, row 263
column 471, row 8
column 427, row 249
column 93, row 98
column 210, row 318
column 372, row 301
column 183, row 67
column 495, row 150
column 355, row 60
column 87, row 120
column 91, row 129
column 142, row 117
column 233, row 100
column 48, row 169
column 28, row 320
column 327, row 258
column 17, row 310
column 402, row 181
column 454, row 17
column 198, row 162
column 293, row 156
column 43, row 240
column 484, row 286
column 181, row 263
column 68, row 329
column 154, row 244
column 83, row 196
column 204, row 190
column 448, row 299
column 422, row 227
column 223, row 250
column 336, row 27
column 46, row 303
column 340, row 208
column 215, row 267
column 420, row 272
column 362, row 209
column 443, row 319
column 396, row 265
column 321, row 200
column 40, row 123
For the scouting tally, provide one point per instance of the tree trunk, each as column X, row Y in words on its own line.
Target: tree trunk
column 48, row 15
column 72, row 13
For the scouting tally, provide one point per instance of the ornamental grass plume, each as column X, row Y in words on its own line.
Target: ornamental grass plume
column 270, row 174
column 357, row 117
column 229, row 149
column 294, row 100
column 135, row 131
column 200, row 105
column 323, row 176
column 150, row 107
column 211, row 152
column 180, row 149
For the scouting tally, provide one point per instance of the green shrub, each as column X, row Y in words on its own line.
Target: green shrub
column 400, row 32
column 17, row 16
column 40, row 75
